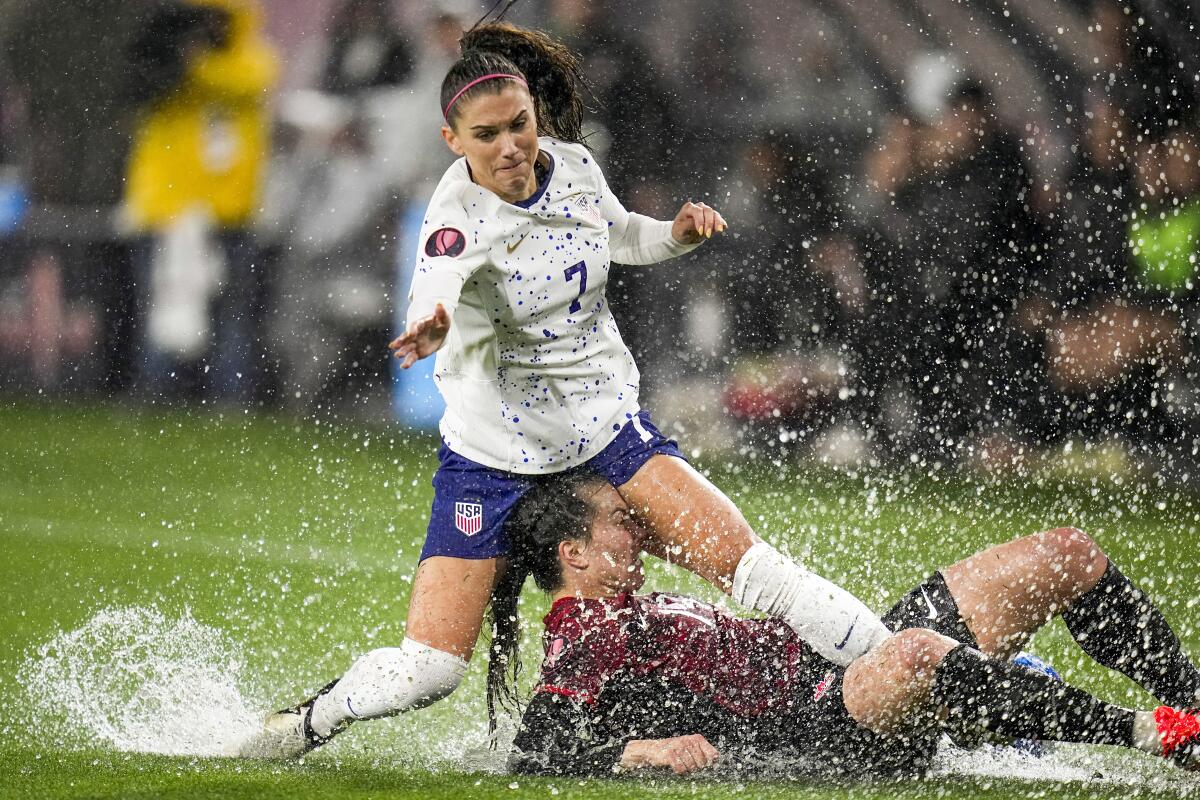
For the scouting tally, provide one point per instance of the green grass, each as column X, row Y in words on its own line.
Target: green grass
column 297, row 541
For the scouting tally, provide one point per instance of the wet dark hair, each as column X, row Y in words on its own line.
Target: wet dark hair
column 548, row 66
column 554, row 510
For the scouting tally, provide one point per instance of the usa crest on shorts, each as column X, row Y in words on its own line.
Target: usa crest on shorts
column 468, row 517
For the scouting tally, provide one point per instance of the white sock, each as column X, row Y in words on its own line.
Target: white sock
column 388, row 681
column 832, row 621
column 1145, row 733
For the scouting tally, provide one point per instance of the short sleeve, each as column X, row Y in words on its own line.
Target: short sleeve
column 451, row 248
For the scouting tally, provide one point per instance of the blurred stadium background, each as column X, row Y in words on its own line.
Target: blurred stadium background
column 964, row 237
column 963, row 233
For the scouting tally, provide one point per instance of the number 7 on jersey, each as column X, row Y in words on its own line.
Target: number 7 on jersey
column 579, row 269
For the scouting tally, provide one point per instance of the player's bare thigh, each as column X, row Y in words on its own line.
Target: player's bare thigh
column 692, row 522
column 1007, row 592
column 448, row 601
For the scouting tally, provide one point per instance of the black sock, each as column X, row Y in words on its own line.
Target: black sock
column 1020, row 703
column 1117, row 625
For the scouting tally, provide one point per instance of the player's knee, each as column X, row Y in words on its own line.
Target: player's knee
column 882, row 689
column 1076, row 553
column 916, row 650
column 860, row 689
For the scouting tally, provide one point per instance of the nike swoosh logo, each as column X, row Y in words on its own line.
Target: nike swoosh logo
column 843, row 642
column 511, row 247
column 933, row 614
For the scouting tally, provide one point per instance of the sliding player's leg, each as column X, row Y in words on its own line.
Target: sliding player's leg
column 1120, row 627
column 1007, row 592
column 919, row 680
column 696, row 525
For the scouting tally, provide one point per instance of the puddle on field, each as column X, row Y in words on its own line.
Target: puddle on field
column 1096, row 766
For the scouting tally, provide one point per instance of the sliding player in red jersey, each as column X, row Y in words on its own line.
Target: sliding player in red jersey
column 663, row 680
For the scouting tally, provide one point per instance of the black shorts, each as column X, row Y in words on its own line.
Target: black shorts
column 830, row 741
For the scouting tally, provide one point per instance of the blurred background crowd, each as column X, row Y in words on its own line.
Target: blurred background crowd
column 961, row 232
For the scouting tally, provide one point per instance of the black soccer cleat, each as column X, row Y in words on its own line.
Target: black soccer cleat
column 287, row 734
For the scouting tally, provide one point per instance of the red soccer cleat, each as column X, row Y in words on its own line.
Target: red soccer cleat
column 1180, row 735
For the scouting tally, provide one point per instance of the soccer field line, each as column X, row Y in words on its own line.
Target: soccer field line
column 167, row 541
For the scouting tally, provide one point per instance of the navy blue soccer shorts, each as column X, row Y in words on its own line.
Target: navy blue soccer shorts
column 471, row 502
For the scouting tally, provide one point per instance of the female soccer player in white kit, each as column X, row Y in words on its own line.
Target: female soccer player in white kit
column 509, row 292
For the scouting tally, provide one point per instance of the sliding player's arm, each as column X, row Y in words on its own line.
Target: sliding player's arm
column 558, row 737
column 680, row 754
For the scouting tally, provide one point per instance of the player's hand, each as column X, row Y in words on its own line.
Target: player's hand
column 696, row 222
column 424, row 337
column 683, row 754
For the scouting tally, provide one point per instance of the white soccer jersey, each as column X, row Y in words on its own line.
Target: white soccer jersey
column 534, row 372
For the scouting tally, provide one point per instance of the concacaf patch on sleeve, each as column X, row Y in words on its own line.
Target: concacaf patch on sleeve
column 445, row 242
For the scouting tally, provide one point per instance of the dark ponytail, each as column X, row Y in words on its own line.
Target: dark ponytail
column 548, row 66
column 553, row 510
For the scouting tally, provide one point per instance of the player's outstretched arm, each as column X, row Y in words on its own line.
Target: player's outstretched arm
column 423, row 338
column 638, row 239
column 696, row 222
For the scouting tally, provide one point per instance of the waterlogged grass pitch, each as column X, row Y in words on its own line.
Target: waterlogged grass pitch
column 171, row 576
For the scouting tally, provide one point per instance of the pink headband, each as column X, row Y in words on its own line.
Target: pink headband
column 492, row 76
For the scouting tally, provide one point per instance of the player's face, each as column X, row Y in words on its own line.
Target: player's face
column 615, row 549
column 498, row 135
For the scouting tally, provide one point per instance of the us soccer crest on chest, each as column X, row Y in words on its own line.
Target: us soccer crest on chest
column 588, row 210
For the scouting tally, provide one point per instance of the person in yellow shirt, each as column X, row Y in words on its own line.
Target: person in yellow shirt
column 192, row 187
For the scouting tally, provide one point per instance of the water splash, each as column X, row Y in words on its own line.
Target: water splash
column 1077, row 764
column 136, row 680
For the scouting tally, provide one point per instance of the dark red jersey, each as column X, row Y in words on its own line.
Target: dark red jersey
column 745, row 666
column 661, row 665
